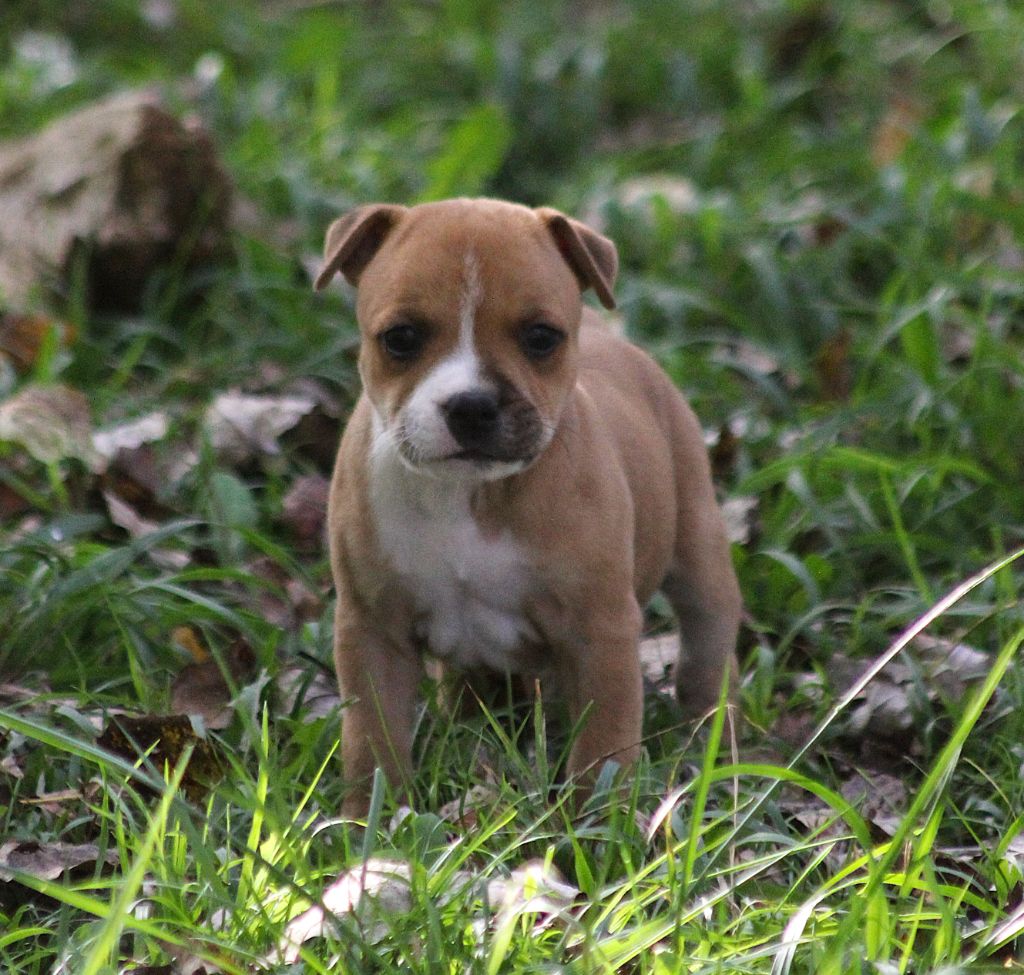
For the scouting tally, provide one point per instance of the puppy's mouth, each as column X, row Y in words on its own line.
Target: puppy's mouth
column 478, row 455
column 500, row 455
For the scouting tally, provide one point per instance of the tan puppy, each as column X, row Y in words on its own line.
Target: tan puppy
column 513, row 485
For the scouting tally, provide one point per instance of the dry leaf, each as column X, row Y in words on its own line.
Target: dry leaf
column 680, row 195
column 242, row 428
column 51, row 423
column 53, row 803
column 723, row 450
column 304, row 509
column 138, row 476
column 950, row 666
column 9, row 766
column 832, row 364
column 22, row 337
column 130, row 436
column 203, row 688
column 884, row 710
column 308, row 693
column 895, row 131
column 880, row 798
column 125, row 516
column 191, row 641
column 740, row 514
column 658, row 656
column 185, row 963
column 368, row 892
column 48, row 861
column 380, row 888
column 315, row 436
column 753, row 360
column 286, row 602
column 122, row 177
column 932, row 666
column 464, row 811
column 536, row 887
column 12, row 504
column 164, row 739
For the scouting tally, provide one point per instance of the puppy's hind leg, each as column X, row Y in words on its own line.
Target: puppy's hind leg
column 702, row 589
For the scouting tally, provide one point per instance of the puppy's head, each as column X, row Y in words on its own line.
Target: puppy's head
column 469, row 312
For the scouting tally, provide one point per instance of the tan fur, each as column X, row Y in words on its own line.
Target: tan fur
column 618, row 504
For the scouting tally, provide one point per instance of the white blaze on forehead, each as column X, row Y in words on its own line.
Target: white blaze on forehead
column 469, row 302
column 422, row 423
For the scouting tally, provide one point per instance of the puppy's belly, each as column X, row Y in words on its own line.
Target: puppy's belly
column 467, row 630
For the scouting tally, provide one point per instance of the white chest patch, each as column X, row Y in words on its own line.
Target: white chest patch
column 467, row 590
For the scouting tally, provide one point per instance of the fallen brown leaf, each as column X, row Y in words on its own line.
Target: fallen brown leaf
column 304, row 509
column 22, row 337
column 48, row 861
column 9, row 766
column 895, row 130
column 122, row 174
column 131, row 435
column 242, row 428
column 190, row 639
column 287, row 602
column 881, row 798
column 723, row 451
column 54, row 803
column 740, row 515
column 380, row 888
column 930, row 670
column 164, row 740
column 536, row 887
column 369, row 893
column 203, row 688
column 464, row 812
column 12, row 503
column 307, row 693
column 833, row 367
column 657, row 661
column 125, row 516
column 50, row 422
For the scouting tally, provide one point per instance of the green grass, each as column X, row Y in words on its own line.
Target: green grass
column 817, row 206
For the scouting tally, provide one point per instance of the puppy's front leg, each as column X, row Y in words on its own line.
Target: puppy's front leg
column 379, row 682
column 602, row 681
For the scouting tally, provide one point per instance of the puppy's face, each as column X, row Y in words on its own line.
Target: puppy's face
column 469, row 312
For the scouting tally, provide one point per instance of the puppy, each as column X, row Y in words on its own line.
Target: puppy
column 514, row 484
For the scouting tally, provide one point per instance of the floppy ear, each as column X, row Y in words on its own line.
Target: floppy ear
column 591, row 256
column 353, row 239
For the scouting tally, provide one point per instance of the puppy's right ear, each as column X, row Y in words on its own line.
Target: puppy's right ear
column 353, row 239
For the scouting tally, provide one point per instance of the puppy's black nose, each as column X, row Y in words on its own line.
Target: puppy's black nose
column 472, row 417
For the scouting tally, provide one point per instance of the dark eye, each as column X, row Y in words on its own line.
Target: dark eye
column 540, row 340
column 403, row 342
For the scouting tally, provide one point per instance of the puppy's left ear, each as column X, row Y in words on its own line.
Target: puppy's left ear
column 592, row 256
column 353, row 239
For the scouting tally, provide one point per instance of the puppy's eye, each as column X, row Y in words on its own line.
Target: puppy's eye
column 403, row 342
column 540, row 340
